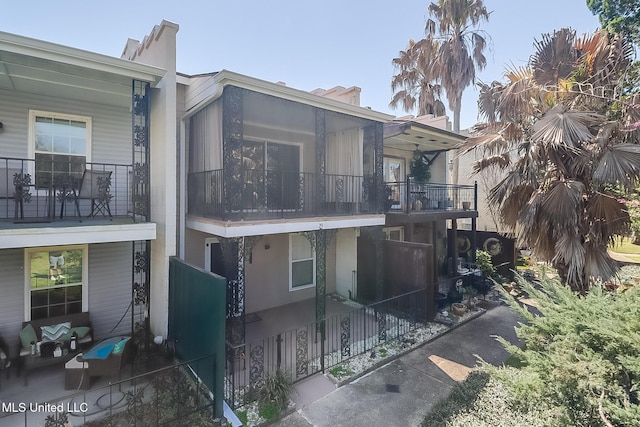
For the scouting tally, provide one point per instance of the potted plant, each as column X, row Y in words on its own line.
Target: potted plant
column 420, row 170
column 388, row 203
column 483, row 262
column 458, row 309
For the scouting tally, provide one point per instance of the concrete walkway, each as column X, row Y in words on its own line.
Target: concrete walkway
column 403, row 391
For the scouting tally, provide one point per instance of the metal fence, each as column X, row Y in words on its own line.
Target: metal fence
column 278, row 194
column 410, row 196
column 35, row 189
column 170, row 396
column 312, row 348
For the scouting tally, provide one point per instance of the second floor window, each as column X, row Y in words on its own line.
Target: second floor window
column 61, row 146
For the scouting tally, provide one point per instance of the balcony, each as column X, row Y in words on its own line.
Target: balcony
column 269, row 194
column 431, row 198
column 54, row 191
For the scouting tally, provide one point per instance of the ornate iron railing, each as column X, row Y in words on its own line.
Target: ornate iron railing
column 277, row 194
column 170, row 396
column 301, row 352
column 410, row 196
column 33, row 190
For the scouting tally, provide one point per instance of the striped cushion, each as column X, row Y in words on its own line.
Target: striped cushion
column 59, row 332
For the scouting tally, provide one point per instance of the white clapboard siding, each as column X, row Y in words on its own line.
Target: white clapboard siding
column 110, row 288
column 11, row 296
column 111, row 126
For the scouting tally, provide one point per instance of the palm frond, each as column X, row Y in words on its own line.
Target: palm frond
column 570, row 251
column 608, row 217
column 554, row 58
column 500, row 161
column 620, row 164
column 564, row 127
column 598, row 263
column 561, row 204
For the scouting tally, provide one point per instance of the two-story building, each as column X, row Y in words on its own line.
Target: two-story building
column 280, row 183
column 84, row 215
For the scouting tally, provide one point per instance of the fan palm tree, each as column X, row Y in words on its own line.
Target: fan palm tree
column 461, row 47
column 417, row 79
column 563, row 136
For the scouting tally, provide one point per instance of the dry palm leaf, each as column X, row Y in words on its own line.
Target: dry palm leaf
column 619, row 163
column 561, row 204
column 501, row 161
column 563, row 127
column 598, row 263
column 555, row 57
column 570, row 251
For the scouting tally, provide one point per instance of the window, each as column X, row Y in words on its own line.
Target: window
column 272, row 174
column 302, row 263
column 60, row 145
column 394, row 233
column 56, row 281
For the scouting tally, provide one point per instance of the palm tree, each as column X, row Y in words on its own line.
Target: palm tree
column 563, row 136
column 417, row 79
column 461, row 47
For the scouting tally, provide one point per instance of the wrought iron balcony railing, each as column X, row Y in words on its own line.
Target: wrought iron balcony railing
column 410, row 196
column 66, row 188
column 263, row 194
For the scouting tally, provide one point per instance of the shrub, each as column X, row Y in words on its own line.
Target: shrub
column 276, row 389
column 581, row 354
column 462, row 396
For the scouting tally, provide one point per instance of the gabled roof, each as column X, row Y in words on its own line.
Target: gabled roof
column 36, row 66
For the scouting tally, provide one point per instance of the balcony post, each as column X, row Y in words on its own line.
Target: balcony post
column 407, row 206
column 232, row 134
column 321, row 156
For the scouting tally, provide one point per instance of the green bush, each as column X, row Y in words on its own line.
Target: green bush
column 269, row 411
column 462, row 396
column 581, row 354
column 277, row 389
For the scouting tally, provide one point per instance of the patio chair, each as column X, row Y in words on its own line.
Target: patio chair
column 14, row 184
column 95, row 186
column 5, row 362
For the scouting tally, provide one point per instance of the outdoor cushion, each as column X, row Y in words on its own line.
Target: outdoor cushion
column 102, row 350
column 56, row 332
column 117, row 349
column 80, row 331
column 27, row 336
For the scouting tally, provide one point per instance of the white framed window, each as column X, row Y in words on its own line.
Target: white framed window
column 394, row 233
column 56, row 280
column 302, row 263
column 60, row 145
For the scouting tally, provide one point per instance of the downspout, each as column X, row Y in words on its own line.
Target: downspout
column 182, row 187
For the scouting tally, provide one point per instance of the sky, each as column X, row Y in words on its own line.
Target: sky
column 306, row 44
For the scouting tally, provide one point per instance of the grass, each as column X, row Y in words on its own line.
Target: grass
column 624, row 246
column 340, row 371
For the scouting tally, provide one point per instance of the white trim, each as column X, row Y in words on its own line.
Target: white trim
column 54, row 115
column 313, row 258
column 81, row 58
column 27, row 274
column 389, row 230
column 207, row 251
column 48, row 236
column 257, row 228
column 226, row 77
